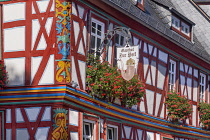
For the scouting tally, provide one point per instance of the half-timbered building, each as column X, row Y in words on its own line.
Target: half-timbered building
column 44, row 45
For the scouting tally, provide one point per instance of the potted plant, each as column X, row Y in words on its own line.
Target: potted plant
column 105, row 82
column 178, row 106
column 3, row 75
column 204, row 113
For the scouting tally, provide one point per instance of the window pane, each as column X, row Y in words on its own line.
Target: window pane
column 117, row 39
column 92, row 44
column 98, row 43
column 110, row 133
column 122, row 40
column 93, row 27
column 87, row 129
column 99, row 30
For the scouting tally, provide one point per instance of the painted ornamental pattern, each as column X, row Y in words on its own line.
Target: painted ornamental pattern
column 63, row 10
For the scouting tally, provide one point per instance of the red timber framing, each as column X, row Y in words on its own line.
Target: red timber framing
column 149, row 56
column 79, row 40
column 150, row 72
column 20, row 119
column 138, row 27
column 30, row 50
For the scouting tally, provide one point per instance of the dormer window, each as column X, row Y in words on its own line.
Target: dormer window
column 181, row 27
column 181, row 24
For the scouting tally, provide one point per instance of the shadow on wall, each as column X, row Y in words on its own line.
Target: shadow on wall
column 16, row 75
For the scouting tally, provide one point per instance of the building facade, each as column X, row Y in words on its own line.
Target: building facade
column 45, row 46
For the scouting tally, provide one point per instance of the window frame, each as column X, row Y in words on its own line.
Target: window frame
column 115, row 131
column 202, row 83
column 179, row 29
column 93, row 135
column 96, row 35
column 170, row 72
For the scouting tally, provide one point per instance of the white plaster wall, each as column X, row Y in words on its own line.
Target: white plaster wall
column 47, row 114
column 161, row 76
column 73, row 71
column 9, row 14
column 189, row 87
column 127, row 132
column 48, row 74
column 195, row 91
column 22, row 134
column 81, row 11
column 163, row 56
column 14, row 39
column 158, row 98
column 76, row 30
column 146, row 64
column 82, row 67
column 32, row 113
column 74, row 135
column 16, row 71
column 73, row 117
column 150, row 136
column 150, row 101
column 35, row 62
column 194, row 107
column 42, row 133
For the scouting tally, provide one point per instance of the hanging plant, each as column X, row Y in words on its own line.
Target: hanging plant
column 3, row 75
column 204, row 112
column 178, row 106
column 105, row 82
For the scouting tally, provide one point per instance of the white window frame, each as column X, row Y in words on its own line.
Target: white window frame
column 181, row 26
column 174, row 21
column 184, row 27
column 114, row 130
column 172, row 75
column 92, row 132
column 118, row 42
column 96, row 35
column 202, row 86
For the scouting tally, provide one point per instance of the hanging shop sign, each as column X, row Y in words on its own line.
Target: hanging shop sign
column 128, row 58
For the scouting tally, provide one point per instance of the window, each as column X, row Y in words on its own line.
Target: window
column 119, row 42
column 175, row 22
column 97, row 34
column 88, row 130
column 202, row 86
column 172, row 75
column 112, row 132
column 181, row 26
column 185, row 28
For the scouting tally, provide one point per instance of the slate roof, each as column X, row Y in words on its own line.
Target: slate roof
column 157, row 16
column 202, row 26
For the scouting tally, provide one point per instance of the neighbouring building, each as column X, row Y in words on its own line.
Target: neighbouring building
column 45, row 43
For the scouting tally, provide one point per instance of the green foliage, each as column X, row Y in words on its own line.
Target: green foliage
column 178, row 106
column 105, row 82
column 3, row 75
column 204, row 112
